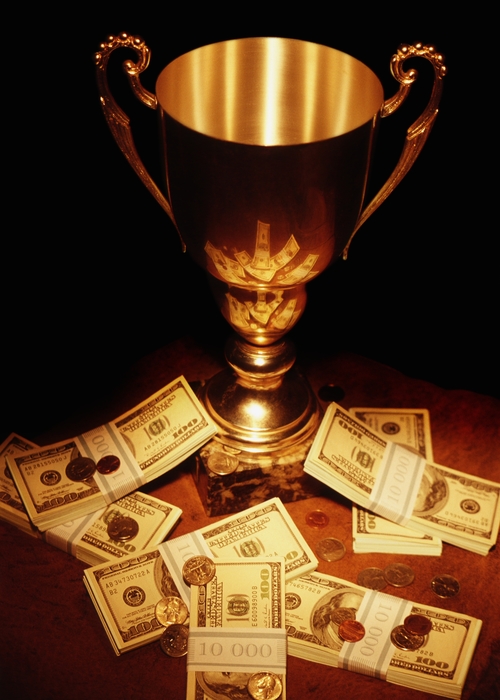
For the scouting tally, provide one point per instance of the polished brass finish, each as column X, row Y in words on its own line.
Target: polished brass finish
column 267, row 145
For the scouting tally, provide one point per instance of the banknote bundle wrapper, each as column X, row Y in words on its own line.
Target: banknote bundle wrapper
column 125, row 594
column 75, row 477
column 402, row 486
column 237, row 629
column 409, row 427
column 138, row 520
column 317, row 603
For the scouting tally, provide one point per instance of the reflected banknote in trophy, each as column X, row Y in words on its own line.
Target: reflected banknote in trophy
column 266, row 144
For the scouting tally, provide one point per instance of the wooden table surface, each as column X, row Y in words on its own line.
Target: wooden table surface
column 54, row 646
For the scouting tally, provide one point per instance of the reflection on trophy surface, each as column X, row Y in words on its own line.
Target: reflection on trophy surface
column 267, row 145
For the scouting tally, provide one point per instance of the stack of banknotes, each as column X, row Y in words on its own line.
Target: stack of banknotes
column 131, row 524
column 401, row 485
column 237, row 631
column 435, row 662
column 75, row 477
column 125, row 594
column 264, row 583
column 411, row 428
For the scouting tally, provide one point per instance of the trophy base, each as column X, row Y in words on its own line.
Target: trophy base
column 256, row 480
column 267, row 416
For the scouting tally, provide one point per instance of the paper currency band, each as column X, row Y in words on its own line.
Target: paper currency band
column 239, row 649
column 67, row 536
column 175, row 552
column 396, row 485
column 106, row 440
column 379, row 613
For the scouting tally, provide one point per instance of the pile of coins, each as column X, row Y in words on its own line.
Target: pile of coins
column 400, row 575
column 172, row 612
column 82, row 468
column 409, row 636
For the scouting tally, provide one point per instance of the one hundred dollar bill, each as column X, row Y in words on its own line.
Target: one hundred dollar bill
column 411, row 428
column 12, row 508
column 402, row 486
column 316, row 605
column 237, row 629
column 125, row 594
column 140, row 521
column 64, row 481
column 266, row 530
column 148, row 519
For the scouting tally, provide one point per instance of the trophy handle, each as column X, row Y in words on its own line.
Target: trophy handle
column 417, row 134
column 116, row 118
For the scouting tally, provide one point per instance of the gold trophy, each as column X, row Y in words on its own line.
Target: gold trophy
column 266, row 145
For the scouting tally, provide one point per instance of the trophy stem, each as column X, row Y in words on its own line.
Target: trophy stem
column 262, row 405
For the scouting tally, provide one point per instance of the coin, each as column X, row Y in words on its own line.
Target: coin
column 330, row 549
column 351, row 631
column 317, row 519
column 221, row 463
column 418, row 624
column 123, row 528
column 445, row 586
column 198, row 570
column 372, row 578
column 264, row 686
column 80, row 468
column 399, row 575
column 402, row 639
column 174, row 641
column 171, row 610
column 341, row 614
column 108, row 464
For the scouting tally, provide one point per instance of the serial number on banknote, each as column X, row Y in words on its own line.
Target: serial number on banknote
column 126, row 579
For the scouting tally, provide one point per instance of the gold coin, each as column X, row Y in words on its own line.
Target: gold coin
column 171, row 610
column 264, row 686
column 399, row 575
column 198, row 570
column 351, row 631
column 174, row 641
column 402, row 639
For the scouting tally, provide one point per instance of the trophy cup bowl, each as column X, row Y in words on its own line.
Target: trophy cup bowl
column 267, row 144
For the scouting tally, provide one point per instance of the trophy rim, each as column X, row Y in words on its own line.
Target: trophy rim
column 238, row 91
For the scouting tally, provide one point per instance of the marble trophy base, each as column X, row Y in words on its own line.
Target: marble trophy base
column 280, row 475
column 267, row 416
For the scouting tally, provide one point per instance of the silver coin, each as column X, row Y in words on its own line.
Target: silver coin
column 330, row 549
column 399, row 575
column 264, row 686
column 174, row 641
column 171, row 610
column 123, row 528
column 373, row 578
column 198, row 570
column 402, row 639
column 445, row 586
column 221, row 463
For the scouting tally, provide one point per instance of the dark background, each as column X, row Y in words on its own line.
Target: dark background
column 93, row 275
